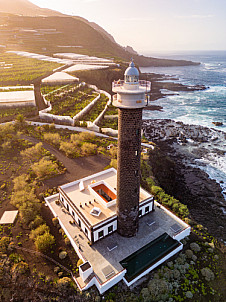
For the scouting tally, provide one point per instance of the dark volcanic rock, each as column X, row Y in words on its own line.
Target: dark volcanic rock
column 173, row 164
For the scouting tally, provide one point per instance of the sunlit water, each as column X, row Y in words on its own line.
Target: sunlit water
column 199, row 107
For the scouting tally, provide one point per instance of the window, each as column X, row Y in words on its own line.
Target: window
column 73, row 214
column 136, row 153
column 86, row 231
column 100, row 234
column 110, row 229
column 62, row 199
column 79, row 223
column 136, row 172
column 147, row 209
column 140, row 213
column 67, row 206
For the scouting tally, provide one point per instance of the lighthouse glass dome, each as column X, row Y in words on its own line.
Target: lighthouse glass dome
column 131, row 74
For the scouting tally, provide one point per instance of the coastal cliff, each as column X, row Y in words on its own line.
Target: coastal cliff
column 175, row 161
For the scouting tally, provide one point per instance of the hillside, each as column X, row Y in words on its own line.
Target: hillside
column 24, row 26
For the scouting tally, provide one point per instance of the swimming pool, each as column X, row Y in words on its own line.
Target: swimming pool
column 149, row 254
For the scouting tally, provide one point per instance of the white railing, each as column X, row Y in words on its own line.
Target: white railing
column 142, row 83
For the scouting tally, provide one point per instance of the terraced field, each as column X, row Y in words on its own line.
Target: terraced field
column 70, row 101
column 16, row 70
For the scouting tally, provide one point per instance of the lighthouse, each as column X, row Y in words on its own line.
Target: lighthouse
column 130, row 99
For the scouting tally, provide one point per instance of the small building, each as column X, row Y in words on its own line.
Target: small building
column 91, row 202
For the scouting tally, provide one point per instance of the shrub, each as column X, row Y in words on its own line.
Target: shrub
column 113, row 163
column 113, row 152
column 67, row 241
column 42, row 229
column 19, row 268
column 36, row 223
column 79, row 262
column 89, row 149
column 52, row 138
column 33, row 152
column 189, row 295
column 28, row 211
column 157, row 288
column 207, row 273
column 44, row 242
column 62, row 255
column 55, row 221
column 69, row 149
column 189, row 254
column 4, row 242
column 44, row 168
column 195, row 247
column 64, row 282
column 86, row 136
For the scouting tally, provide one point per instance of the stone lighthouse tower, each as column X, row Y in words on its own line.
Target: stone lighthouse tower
column 130, row 100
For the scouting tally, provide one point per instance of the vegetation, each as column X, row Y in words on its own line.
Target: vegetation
column 12, row 112
column 97, row 109
column 109, row 123
column 46, row 89
column 23, row 70
column 73, row 103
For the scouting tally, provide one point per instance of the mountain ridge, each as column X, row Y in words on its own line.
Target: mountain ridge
column 17, row 17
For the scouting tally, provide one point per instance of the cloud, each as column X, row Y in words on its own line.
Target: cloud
column 195, row 17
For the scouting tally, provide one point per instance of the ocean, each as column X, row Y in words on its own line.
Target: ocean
column 198, row 107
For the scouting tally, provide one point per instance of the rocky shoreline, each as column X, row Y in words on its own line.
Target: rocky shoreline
column 174, row 164
column 160, row 82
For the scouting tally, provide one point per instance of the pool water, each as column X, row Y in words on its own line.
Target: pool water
column 149, row 254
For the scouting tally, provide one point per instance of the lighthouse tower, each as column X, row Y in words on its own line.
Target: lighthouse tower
column 130, row 100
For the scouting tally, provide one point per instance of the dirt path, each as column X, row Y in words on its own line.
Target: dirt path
column 76, row 167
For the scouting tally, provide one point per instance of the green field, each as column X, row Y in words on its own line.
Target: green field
column 5, row 112
column 21, row 70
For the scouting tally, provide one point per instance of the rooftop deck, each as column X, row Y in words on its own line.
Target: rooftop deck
column 88, row 201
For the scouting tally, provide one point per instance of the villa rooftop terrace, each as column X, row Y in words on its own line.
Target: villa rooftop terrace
column 85, row 200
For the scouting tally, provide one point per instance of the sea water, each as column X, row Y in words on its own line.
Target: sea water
column 199, row 107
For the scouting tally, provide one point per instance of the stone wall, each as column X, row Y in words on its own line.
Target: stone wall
column 128, row 171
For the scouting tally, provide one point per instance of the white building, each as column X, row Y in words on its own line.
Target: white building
column 91, row 202
column 86, row 210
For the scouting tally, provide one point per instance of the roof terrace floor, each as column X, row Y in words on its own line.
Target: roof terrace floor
column 102, row 253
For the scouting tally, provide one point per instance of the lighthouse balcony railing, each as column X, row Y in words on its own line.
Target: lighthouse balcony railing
column 142, row 83
column 115, row 99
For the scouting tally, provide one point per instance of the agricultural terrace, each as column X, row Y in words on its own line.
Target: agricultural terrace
column 14, row 111
column 97, row 109
column 46, row 89
column 110, row 122
column 71, row 102
column 20, row 70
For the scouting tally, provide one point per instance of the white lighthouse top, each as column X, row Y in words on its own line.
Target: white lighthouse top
column 131, row 93
column 131, row 74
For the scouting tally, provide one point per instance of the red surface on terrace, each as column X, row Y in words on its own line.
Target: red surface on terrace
column 106, row 190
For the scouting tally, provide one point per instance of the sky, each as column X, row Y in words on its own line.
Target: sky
column 154, row 25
